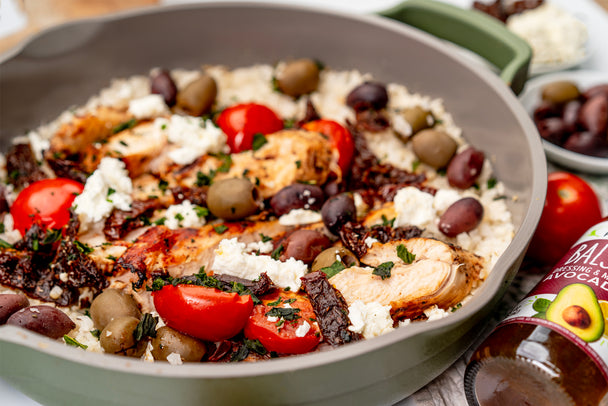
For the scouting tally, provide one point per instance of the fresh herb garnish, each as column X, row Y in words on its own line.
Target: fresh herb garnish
column 287, row 313
column 226, row 162
column 384, row 270
column 4, row 244
column 277, row 252
column 71, row 341
column 405, row 255
column 83, row 247
column 491, row 183
column 387, row 222
column 51, row 236
column 258, row 141
column 220, row 229
column 163, row 185
column 458, row 306
column 124, row 126
column 160, row 221
column 298, row 164
column 415, row 165
column 146, row 327
column 203, row 179
column 275, row 303
column 265, row 238
column 333, row 269
column 200, row 211
column 95, row 333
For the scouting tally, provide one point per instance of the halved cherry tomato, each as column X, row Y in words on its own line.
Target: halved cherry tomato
column 242, row 121
column 571, row 207
column 206, row 313
column 280, row 335
column 45, row 201
column 340, row 137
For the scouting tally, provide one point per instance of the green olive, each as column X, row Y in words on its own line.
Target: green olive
column 198, row 97
column 434, row 148
column 169, row 341
column 110, row 304
column 117, row 337
column 560, row 92
column 328, row 257
column 418, row 118
column 299, row 77
column 233, row 198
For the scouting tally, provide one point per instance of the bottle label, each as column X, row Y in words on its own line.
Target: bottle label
column 573, row 298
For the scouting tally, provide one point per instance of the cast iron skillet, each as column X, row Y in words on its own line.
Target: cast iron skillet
column 64, row 66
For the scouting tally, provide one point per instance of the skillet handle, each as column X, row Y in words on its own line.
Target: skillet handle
column 473, row 30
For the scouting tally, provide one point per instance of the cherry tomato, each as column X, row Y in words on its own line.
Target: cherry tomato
column 341, row 140
column 571, row 207
column 242, row 121
column 45, row 201
column 280, row 335
column 202, row 312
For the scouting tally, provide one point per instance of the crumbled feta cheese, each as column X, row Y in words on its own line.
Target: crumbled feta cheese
column 174, row 359
column 413, row 207
column 303, row 329
column 360, row 205
column 260, row 247
column 55, row 292
column 109, row 187
column 444, row 198
column 192, row 136
column 63, row 276
column 10, row 235
column 152, row 105
column 370, row 319
column 401, row 125
column 272, row 319
column 38, row 144
column 300, row 216
column 183, row 215
column 435, row 313
column 231, row 258
column 369, row 241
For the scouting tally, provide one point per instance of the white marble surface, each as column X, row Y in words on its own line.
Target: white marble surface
column 447, row 388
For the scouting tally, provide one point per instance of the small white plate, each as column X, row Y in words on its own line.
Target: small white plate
column 531, row 98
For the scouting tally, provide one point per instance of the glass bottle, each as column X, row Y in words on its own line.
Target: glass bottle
column 553, row 347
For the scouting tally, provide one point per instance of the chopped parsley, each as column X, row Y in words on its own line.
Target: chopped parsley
column 4, row 244
column 405, row 255
column 203, row 179
column 95, row 333
column 333, row 269
column 286, row 313
column 83, row 247
column 226, row 162
column 277, row 252
column 179, row 217
column 298, row 164
column 160, row 221
column 384, row 270
column 220, row 229
column 265, row 238
column 200, row 211
column 71, row 341
column 247, row 347
column 458, row 306
column 52, row 235
column 124, row 126
column 491, row 183
column 163, row 185
column 387, row 222
column 258, row 141
column 415, row 165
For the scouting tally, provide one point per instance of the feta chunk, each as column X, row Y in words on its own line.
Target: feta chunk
column 303, row 329
column 152, row 105
column 370, row 319
column 192, row 137
column 413, row 207
column 109, row 187
column 300, row 216
column 231, row 258
column 183, row 215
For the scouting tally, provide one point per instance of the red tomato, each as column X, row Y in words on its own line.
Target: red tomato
column 202, row 312
column 242, row 121
column 341, row 140
column 280, row 336
column 46, row 201
column 571, row 207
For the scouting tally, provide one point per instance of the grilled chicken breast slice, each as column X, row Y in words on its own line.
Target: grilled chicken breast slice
column 441, row 274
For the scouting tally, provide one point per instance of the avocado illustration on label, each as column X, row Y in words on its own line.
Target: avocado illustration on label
column 576, row 308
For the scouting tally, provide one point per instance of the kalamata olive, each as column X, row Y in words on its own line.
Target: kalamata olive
column 10, row 303
column 560, row 92
column 368, row 95
column 546, row 110
column 552, row 129
column 461, row 217
column 433, row 147
column 596, row 91
column 162, row 83
column 297, row 196
column 304, row 245
column 418, row 118
column 198, row 97
column 111, row 304
column 465, row 167
column 328, row 257
column 45, row 320
column 587, row 143
column 169, row 341
column 337, row 211
column 593, row 115
column 299, row 77
column 570, row 115
column 233, row 198
column 117, row 337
